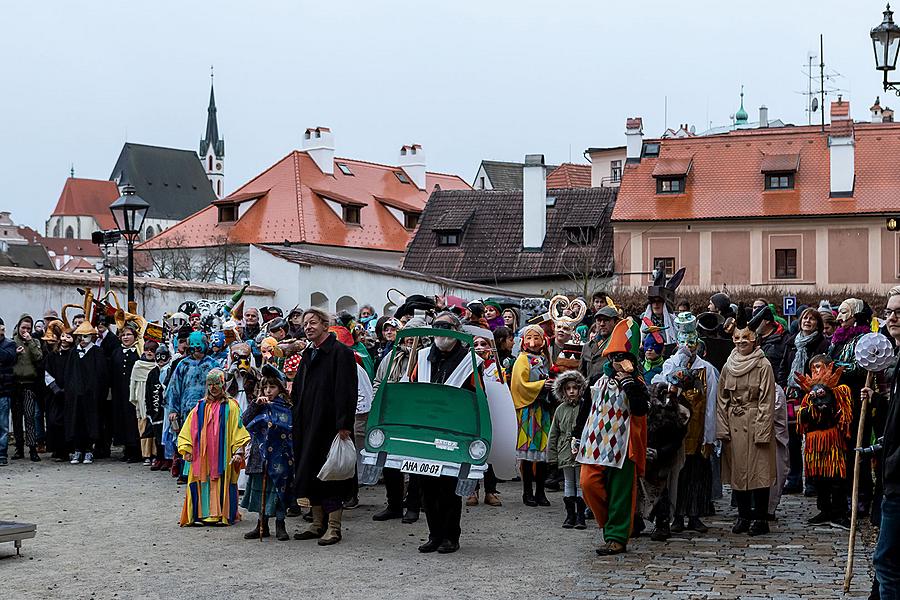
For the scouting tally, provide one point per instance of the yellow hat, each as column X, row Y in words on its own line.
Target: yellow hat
column 85, row 329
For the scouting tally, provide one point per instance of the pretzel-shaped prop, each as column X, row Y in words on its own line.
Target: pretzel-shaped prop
column 559, row 304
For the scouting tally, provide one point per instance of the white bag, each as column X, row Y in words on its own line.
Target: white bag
column 341, row 461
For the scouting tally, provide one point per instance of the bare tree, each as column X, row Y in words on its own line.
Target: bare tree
column 579, row 262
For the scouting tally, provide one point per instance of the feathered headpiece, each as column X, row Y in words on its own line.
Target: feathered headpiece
column 828, row 375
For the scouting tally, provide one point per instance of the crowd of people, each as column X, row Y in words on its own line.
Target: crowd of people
column 639, row 420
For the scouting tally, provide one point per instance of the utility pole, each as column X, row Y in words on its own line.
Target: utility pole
column 822, row 79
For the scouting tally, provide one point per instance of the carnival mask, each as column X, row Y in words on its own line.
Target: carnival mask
column 744, row 340
column 240, row 358
column 821, row 397
column 215, row 383
column 849, row 308
column 533, row 340
column 482, row 347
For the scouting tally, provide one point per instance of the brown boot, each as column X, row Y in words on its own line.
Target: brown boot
column 316, row 529
column 492, row 500
column 473, row 499
column 333, row 534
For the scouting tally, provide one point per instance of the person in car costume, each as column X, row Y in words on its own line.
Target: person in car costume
column 610, row 437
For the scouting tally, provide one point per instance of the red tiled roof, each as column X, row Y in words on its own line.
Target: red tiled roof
column 72, row 247
column 569, row 176
column 725, row 180
column 88, row 197
column 668, row 167
column 780, row 163
column 291, row 208
column 77, row 263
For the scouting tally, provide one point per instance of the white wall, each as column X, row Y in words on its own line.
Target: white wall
column 304, row 285
column 487, row 181
column 600, row 166
column 384, row 258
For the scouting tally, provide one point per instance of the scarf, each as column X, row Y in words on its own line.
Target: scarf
column 739, row 365
column 845, row 334
column 801, row 341
column 137, row 390
column 649, row 365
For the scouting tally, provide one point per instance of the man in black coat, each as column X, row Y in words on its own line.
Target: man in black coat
column 86, row 389
column 324, row 400
column 123, row 421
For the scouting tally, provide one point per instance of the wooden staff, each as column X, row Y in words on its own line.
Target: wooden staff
column 848, row 573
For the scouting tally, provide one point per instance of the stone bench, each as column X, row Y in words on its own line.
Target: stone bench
column 16, row 532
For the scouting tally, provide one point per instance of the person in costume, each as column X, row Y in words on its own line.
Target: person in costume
column 146, row 395
column 529, row 385
column 610, row 438
column 809, row 341
column 694, row 382
column 124, row 416
column 745, row 422
column 187, row 385
column 658, row 317
column 212, row 441
column 653, row 357
column 59, row 345
column 86, row 387
column 270, row 463
column 27, row 370
column 491, row 372
column 493, row 314
column 218, row 349
column 511, row 319
column 824, row 419
column 324, row 398
column 568, row 387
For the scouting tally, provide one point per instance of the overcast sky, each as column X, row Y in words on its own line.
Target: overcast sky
column 469, row 80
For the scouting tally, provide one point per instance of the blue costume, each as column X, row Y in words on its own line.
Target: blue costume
column 270, row 464
column 188, row 384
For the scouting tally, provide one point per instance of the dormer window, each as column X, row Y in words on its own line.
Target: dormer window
column 410, row 220
column 670, row 185
column 449, row 238
column 401, row 176
column 650, row 150
column 351, row 214
column 581, row 236
column 779, row 181
column 227, row 213
column 345, row 169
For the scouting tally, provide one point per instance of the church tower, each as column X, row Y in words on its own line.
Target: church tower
column 212, row 148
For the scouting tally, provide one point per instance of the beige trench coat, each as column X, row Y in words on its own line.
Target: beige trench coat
column 745, row 418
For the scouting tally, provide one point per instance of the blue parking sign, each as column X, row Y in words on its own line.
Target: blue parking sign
column 790, row 306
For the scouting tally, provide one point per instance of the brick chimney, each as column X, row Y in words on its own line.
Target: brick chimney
column 534, row 202
column 412, row 161
column 319, row 144
column 841, row 150
column 634, row 138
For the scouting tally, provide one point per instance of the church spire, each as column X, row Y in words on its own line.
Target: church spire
column 212, row 147
column 741, row 116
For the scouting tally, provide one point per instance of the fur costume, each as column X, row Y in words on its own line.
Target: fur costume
column 825, row 422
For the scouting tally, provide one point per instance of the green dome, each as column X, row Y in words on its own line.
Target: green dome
column 740, row 117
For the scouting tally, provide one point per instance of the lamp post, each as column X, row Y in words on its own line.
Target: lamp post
column 886, row 43
column 129, row 211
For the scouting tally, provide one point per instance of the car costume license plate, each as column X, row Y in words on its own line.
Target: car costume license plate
column 421, row 467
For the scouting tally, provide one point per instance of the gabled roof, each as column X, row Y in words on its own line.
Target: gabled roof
column 305, row 257
column 26, row 256
column 726, row 182
column 292, row 206
column 507, row 175
column 88, row 197
column 172, row 181
column 490, row 248
column 73, row 247
column 570, row 175
column 77, row 263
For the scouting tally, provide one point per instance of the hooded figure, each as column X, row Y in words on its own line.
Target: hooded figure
column 658, row 316
column 568, row 389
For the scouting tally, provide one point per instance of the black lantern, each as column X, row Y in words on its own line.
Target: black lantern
column 886, row 43
column 129, row 211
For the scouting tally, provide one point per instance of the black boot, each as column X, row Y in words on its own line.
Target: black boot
column 677, row 524
column 695, row 524
column 540, row 476
column 33, row 454
column 741, row 525
column 20, row 453
column 579, row 513
column 637, row 526
column 759, row 527
column 260, row 531
column 569, row 523
column 661, row 531
column 281, row 533
column 527, row 487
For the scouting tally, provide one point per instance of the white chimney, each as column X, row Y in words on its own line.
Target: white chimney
column 319, row 144
column 763, row 116
column 534, row 201
column 877, row 116
column 634, row 138
column 841, row 150
column 412, row 161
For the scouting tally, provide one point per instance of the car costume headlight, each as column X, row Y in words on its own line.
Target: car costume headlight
column 376, row 438
column 477, row 450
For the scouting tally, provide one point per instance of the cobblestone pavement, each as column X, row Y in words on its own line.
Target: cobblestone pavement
column 109, row 530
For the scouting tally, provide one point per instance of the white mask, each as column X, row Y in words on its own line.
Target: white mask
column 444, row 343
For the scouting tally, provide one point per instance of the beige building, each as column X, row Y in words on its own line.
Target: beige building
column 791, row 207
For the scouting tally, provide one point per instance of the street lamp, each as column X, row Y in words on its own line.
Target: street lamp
column 886, row 43
column 129, row 211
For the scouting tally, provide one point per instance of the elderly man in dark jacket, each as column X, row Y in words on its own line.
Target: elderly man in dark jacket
column 324, row 401
column 7, row 380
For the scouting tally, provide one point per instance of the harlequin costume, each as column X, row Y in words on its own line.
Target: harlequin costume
column 824, row 417
column 611, row 430
column 527, row 387
column 212, row 435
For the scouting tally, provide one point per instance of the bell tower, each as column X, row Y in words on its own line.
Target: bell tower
column 212, row 147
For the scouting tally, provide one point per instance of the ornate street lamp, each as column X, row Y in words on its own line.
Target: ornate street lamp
column 129, row 211
column 886, row 42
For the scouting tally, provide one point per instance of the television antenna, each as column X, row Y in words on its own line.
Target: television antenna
column 820, row 82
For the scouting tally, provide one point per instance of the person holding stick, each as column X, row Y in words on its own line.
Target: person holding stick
column 887, row 551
